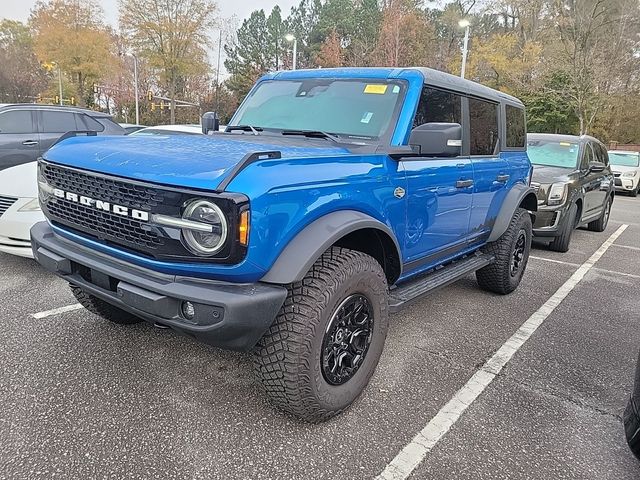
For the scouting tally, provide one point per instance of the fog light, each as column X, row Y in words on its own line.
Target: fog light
column 188, row 310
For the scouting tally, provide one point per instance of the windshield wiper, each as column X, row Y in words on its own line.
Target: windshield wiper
column 244, row 128
column 313, row 134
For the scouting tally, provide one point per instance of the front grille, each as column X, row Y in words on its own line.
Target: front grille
column 99, row 223
column 616, row 174
column 5, row 203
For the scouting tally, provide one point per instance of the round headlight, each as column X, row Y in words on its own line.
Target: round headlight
column 204, row 243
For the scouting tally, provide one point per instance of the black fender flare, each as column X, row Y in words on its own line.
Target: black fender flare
column 306, row 247
column 520, row 194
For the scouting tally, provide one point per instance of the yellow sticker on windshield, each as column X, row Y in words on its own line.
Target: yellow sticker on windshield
column 376, row 89
column 565, row 144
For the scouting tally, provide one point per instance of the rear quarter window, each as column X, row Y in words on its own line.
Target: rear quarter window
column 516, row 129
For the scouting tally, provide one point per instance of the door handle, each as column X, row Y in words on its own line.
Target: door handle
column 30, row 143
column 464, row 183
column 503, row 178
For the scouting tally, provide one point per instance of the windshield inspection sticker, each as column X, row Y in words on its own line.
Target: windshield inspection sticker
column 366, row 118
column 376, row 89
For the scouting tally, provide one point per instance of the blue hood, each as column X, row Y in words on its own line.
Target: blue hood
column 193, row 161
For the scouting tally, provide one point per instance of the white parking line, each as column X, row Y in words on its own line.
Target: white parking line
column 415, row 452
column 635, row 249
column 532, row 257
column 56, row 311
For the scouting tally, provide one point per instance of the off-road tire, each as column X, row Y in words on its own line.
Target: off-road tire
column 631, row 421
column 287, row 360
column 600, row 225
column 103, row 309
column 497, row 277
column 561, row 242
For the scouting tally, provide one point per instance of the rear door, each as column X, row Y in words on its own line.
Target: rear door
column 439, row 190
column 54, row 124
column 19, row 141
column 491, row 172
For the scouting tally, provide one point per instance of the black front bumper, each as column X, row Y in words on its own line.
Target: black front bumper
column 227, row 315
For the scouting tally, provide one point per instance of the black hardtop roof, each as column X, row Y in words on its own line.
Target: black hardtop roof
column 557, row 137
column 39, row 106
column 437, row 78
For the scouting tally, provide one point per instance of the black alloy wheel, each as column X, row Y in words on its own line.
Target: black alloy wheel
column 347, row 339
column 518, row 255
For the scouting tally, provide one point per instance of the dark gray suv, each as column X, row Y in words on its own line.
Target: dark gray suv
column 28, row 130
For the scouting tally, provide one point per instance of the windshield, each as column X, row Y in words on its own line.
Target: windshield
column 624, row 159
column 350, row 108
column 552, row 153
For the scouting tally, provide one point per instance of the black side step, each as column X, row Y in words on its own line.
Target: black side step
column 407, row 292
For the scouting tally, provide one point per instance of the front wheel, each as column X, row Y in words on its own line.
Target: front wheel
column 562, row 241
column 511, row 252
column 324, row 345
column 600, row 225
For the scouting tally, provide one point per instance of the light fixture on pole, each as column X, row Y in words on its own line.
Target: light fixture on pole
column 292, row 38
column 135, row 86
column 59, row 82
column 464, row 23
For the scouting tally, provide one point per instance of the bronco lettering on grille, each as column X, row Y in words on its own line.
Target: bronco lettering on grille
column 101, row 205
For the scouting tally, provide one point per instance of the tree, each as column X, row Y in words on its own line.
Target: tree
column 22, row 77
column 72, row 34
column 331, row 53
column 172, row 35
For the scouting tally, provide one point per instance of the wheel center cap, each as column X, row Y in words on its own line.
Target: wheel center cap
column 340, row 335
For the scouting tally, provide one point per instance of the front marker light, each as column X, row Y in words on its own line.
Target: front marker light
column 557, row 194
column 199, row 242
column 32, row 205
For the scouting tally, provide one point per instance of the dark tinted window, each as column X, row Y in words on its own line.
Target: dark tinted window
column 88, row 123
column 16, row 121
column 587, row 156
column 483, row 124
column 601, row 154
column 516, row 133
column 58, row 122
column 438, row 106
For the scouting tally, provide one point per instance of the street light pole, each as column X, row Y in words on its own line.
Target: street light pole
column 291, row 38
column 60, row 82
column 135, row 86
column 465, row 49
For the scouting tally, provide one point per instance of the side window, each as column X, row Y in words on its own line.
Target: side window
column 483, row 125
column 438, row 106
column 85, row 122
column 16, row 121
column 516, row 132
column 58, row 122
column 587, row 156
column 601, row 154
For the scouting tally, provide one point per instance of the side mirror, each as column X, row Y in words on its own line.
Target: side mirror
column 438, row 139
column 596, row 167
column 210, row 123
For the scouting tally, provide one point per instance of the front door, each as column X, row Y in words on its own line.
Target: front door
column 439, row 191
column 592, row 183
column 19, row 141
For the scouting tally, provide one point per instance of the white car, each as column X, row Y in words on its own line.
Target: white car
column 626, row 169
column 19, row 208
column 169, row 130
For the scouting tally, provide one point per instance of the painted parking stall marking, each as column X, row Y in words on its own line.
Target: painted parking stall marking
column 56, row 311
column 416, row 451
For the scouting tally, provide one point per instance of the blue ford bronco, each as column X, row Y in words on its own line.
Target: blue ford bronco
column 333, row 198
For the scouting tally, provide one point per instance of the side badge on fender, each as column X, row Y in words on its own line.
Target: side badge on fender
column 399, row 192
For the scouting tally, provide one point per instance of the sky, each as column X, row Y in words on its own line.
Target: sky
column 19, row 9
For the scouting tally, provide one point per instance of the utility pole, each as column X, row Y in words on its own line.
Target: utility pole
column 465, row 49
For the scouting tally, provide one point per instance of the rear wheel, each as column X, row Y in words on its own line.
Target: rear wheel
column 600, row 225
column 561, row 242
column 325, row 343
column 511, row 252
column 103, row 309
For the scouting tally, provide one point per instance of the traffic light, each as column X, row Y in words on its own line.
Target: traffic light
column 57, row 99
column 73, row 100
column 153, row 107
column 95, row 88
column 161, row 104
column 150, row 95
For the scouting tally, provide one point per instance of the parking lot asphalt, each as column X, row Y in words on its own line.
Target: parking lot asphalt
column 83, row 398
